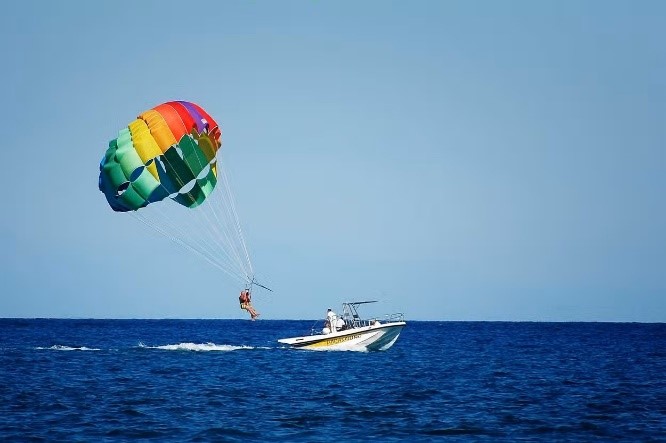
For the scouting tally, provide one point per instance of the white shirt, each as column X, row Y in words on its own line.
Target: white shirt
column 330, row 318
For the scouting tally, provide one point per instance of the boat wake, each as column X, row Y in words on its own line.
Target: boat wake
column 67, row 348
column 197, row 347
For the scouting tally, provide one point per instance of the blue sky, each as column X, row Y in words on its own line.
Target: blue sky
column 468, row 160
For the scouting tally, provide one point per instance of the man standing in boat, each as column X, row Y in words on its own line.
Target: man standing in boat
column 245, row 300
column 331, row 318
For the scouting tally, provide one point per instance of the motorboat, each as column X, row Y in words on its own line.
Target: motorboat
column 351, row 332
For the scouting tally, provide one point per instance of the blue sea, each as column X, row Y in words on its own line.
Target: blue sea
column 228, row 380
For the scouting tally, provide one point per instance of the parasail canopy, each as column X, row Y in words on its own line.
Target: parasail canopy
column 168, row 151
column 169, row 154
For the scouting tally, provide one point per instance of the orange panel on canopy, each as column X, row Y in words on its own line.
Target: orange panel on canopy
column 173, row 119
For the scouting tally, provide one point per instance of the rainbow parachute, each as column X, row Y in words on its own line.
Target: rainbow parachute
column 168, row 151
column 172, row 152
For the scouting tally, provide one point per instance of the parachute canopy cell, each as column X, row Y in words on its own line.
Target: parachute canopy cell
column 168, row 151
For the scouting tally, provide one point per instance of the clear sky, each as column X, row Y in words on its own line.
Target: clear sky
column 457, row 160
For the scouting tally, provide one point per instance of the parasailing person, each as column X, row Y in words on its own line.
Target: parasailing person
column 245, row 300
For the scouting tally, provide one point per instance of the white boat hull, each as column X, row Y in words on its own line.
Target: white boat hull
column 366, row 338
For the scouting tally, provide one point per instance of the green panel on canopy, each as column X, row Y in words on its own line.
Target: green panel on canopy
column 126, row 154
column 160, row 193
column 192, row 155
column 207, row 184
column 131, row 198
column 192, row 198
column 145, row 184
column 176, row 168
column 207, row 146
column 111, row 151
column 114, row 173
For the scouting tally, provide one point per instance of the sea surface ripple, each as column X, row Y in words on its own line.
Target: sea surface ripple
column 229, row 380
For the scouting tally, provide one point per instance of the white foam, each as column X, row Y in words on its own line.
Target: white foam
column 350, row 348
column 68, row 348
column 197, row 347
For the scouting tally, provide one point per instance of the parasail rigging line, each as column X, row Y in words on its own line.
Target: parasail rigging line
column 200, row 245
column 222, row 221
column 142, row 218
column 232, row 205
column 218, row 244
column 219, row 204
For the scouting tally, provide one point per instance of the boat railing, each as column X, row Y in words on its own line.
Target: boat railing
column 354, row 321
column 398, row 316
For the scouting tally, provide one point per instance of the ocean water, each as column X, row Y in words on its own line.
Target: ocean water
column 228, row 380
